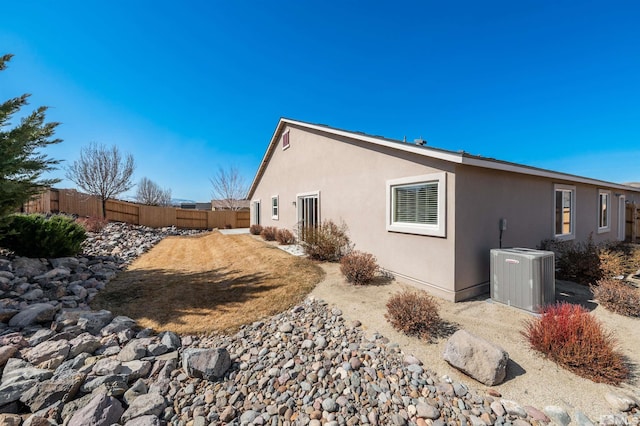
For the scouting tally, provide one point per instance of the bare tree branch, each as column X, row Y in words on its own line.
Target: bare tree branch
column 230, row 187
column 102, row 172
column 151, row 194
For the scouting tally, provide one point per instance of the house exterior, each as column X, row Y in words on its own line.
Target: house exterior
column 430, row 216
column 196, row 206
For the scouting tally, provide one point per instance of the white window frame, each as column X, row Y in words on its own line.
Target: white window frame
column 438, row 230
column 288, row 137
column 257, row 214
column 275, row 208
column 607, row 226
column 572, row 217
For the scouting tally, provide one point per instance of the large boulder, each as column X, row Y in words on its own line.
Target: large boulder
column 101, row 410
column 208, row 364
column 475, row 356
column 36, row 313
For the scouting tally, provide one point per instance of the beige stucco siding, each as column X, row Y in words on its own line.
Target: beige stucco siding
column 484, row 196
column 351, row 177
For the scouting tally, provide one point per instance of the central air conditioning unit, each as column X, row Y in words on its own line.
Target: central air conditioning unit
column 523, row 278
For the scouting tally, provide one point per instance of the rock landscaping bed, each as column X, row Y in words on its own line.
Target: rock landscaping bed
column 65, row 364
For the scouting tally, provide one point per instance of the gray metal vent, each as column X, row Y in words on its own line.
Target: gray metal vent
column 523, row 278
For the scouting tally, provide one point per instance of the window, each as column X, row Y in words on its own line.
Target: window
column 285, row 140
column 416, row 205
column 274, row 207
column 604, row 211
column 565, row 212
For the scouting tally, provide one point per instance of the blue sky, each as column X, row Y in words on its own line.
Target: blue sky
column 189, row 86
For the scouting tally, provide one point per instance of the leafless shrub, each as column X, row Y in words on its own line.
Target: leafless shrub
column 285, row 237
column 229, row 187
column 151, row 194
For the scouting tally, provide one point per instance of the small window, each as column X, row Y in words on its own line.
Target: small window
column 564, row 212
column 274, row 207
column 285, row 140
column 416, row 205
column 604, row 211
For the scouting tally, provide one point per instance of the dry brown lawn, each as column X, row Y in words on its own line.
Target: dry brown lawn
column 207, row 283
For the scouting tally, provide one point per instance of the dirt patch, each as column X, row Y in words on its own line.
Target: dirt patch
column 209, row 282
column 531, row 379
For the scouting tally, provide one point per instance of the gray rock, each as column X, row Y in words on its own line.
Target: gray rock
column 513, row 408
column 48, row 392
column 107, row 367
column 48, row 350
column 149, row 420
column 619, row 402
column 93, row 322
column 12, row 391
column 32, row 295
column 85, row 342
column 40, row 336
column 208, row 364
column 134, row 349
column 27, row 267
column 102, row 410
column 114, row 385
column 329, row 404
column 136, row 369
column 557, row 415
column 33, row 314
column 149, row 404
column 286, row 327
column 171, row 341
column 17, row 370
column 427, row 411
column 581, row 419
column 65, row 262
column 137, row 389
column 480, row 359
column 248, row 416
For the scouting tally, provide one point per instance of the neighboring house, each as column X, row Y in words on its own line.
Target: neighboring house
column 430, row 216
column 224, row 205
column 196, row 206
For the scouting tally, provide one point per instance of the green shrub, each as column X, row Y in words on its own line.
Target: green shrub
column 415, row 313
column 255, row 229
column 35, row 235
column 358, row 267
column 285, row 237
column 326, row 242
column 92, row 224
column 570, row 336
column 269, row 233
column 618, row 297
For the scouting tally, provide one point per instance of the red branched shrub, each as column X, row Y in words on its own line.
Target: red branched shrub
column 618, row 297
column 285, row 237
column 570, row 336
column 92, row 224
column 358, row 267
column 414, row 313
column 255, row 229
column 269, row 233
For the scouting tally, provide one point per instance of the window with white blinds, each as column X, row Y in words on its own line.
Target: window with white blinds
column 416, row 205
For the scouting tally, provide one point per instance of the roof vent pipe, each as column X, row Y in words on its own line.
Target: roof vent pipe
column 420, row 141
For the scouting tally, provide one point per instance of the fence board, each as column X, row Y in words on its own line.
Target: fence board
column 73, row 202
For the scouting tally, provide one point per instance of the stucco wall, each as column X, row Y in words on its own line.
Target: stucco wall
column 485, row 196
column 351, row 177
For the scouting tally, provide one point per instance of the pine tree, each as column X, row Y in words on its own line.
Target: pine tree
column 21, row 165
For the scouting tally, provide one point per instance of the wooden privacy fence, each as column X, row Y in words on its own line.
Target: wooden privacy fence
column 73, row 202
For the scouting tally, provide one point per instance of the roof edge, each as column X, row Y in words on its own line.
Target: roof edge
column 437, row 153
